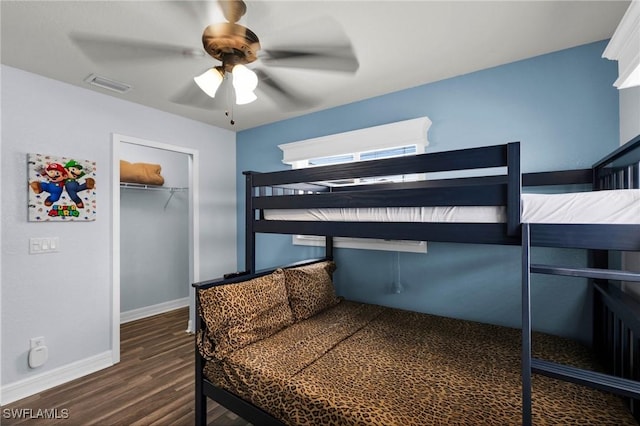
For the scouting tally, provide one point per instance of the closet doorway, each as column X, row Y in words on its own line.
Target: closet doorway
column 155, row 243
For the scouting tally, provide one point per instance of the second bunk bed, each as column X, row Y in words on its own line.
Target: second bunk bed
column 488, row 207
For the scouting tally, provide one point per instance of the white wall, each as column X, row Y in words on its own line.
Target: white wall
column 66, row 296
column 629, row 113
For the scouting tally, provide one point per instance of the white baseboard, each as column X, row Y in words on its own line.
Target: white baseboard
column 147, row 311
column 49, row 379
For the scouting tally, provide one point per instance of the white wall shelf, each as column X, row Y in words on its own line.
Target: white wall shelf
column 171, row 189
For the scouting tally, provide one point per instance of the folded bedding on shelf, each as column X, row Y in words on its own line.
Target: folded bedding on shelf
column 142, row 173
column 356, row 363
column 597, row 207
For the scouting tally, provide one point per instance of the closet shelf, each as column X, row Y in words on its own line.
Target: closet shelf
column 129, row 185
column 172, row 189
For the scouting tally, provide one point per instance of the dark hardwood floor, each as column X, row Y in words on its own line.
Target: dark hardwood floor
column 152, row 385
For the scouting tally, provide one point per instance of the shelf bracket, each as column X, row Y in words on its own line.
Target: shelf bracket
column 171, row 192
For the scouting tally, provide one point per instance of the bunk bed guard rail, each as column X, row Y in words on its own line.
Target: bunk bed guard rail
column 304, row 189
column 620, row 169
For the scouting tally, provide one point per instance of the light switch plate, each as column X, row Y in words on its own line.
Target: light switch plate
column 44, row 245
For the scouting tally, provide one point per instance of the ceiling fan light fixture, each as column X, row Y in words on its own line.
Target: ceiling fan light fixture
column 245, row 82
column 243, row 98
column 209, row 81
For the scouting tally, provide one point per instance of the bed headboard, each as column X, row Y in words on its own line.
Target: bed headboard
column 241, row 276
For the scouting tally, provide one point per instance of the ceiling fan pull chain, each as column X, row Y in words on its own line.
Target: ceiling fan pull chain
column 229, row 102
column 232, row 121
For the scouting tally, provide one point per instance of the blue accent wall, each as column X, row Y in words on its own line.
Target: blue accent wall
column 563, row 109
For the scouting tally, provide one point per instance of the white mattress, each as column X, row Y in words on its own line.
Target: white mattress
column 598, row 207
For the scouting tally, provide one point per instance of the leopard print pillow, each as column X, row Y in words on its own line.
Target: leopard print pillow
column 237, row 315
column 310, row 289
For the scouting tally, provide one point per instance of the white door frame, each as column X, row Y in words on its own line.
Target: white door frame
column 194, row 224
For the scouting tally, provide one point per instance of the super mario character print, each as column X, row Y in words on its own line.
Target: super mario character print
column 61, row 188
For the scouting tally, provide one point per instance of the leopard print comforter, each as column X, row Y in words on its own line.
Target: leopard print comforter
column 357, row 364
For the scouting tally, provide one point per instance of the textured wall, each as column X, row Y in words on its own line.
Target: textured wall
column 66, row 296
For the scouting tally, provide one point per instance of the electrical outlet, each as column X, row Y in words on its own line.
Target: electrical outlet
column 36, row 341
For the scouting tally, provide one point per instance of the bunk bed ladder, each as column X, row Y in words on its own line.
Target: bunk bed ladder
column 621, row 380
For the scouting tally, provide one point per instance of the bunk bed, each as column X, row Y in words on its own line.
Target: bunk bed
column 496, row 184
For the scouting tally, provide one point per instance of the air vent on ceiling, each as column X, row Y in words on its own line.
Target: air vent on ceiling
column 107, row 83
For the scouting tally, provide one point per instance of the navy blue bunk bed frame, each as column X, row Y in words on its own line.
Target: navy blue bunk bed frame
column 616, row 316
column 616, row 336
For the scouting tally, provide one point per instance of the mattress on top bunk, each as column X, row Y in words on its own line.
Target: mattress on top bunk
column 597, row 207
column 356, row 364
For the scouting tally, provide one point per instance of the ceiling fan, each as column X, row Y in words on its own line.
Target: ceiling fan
column 234, row 46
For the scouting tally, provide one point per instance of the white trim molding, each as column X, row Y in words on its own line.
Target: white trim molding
column 624, row 47
column 363, row 243
column 148, row 311
column 194, row 226
column 387, row 136
column 401, row 133
column 46, row 380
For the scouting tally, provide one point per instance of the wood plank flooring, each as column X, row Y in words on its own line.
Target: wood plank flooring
column 152, row 385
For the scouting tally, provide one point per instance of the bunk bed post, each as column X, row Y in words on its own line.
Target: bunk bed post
column 249, row 217
column 328, row 247
column 514, row 188
column 526, row 325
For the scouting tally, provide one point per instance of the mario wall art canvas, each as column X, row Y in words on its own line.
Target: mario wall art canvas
column 61, row 189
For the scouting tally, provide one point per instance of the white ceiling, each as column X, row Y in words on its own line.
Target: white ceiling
column 398, row 44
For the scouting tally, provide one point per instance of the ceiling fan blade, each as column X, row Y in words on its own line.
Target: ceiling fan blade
column 112, row 49
column 285, row 97
column 329, row 58
column 191, row 95
column 318, row 44
column 201, row 12
column 232, row 10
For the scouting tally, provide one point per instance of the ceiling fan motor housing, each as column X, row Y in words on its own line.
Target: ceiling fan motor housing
column 232, row 44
